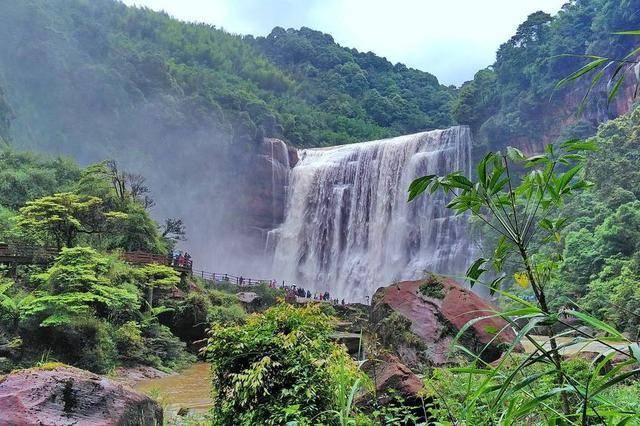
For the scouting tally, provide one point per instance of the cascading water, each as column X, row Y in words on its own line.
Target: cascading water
column 348, row 228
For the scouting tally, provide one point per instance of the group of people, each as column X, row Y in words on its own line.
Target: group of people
column 177, row 258
column 300, row 292
column 291, row 291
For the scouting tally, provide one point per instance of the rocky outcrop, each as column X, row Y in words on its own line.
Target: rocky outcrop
column 270, row 179
column 395, row 385
column 387, row 373
column 131, row 376
column 559, row 118
column 61, row 395
column 419, row 320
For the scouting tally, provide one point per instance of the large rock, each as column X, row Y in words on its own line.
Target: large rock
column 388, row 373
column 419, row 319
column 62, row 395
column 395, row 385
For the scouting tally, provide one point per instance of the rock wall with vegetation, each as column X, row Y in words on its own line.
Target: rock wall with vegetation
column 516, row 101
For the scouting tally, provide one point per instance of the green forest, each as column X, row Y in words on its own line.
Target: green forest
column 106, row 110
column 298, row 85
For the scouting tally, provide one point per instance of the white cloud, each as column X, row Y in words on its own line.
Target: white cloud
column 451, row 39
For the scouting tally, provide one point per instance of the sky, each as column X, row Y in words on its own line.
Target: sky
column 451, row 39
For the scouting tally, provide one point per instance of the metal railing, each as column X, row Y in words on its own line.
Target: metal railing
column 26, row 254
column 230, row 278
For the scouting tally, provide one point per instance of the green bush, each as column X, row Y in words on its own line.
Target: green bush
column 78, row 284
column 227, row 314
column 130, row 344
column 278, row 367
column 84, row 342
column 163, row 350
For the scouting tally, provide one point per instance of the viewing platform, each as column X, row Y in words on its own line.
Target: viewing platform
column 35, row 255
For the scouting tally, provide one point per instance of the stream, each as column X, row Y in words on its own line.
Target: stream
column 189, row 389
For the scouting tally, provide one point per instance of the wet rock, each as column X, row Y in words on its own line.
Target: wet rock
column 395, row 386
column 419, row 319
column 61, row 395
column 388, row 373
column 247, row 297
column 132, row 375
column 270, row 177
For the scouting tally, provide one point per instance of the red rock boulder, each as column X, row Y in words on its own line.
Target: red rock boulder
column 388, row 373
column 419, row 319
column 395, row 385
column 62, row 395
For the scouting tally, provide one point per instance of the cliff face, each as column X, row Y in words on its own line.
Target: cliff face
column 5, row 117
column 566, row 121
column 268, row 192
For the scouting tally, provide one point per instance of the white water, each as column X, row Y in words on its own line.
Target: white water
column 348, row 228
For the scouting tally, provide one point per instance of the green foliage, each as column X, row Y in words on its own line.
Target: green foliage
column 61, row 217
column 130, row 344
column 78, row 284
column 599, row 269
column 153, row 276
column 134, row 65
column 517, row 100
column 27, row 176
column 279, row 367
column 462, row 394
column 162, row 349
column 432, row 287
column 85, row 342
column 526, row 212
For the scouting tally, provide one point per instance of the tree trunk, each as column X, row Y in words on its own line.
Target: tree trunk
column 149, row 298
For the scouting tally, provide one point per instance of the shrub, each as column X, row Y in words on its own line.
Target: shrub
column 232, row 314
column 130, row 344
column 163, row 350
column 78, row 285
column 278, row 367
column 84, row 342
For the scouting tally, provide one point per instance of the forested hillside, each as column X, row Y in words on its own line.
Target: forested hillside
column 103, row 64
column 516, row 102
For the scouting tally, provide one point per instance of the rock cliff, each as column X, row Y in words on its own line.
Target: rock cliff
column 419, row 320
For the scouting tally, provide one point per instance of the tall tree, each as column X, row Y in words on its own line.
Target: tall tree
column 62, row 217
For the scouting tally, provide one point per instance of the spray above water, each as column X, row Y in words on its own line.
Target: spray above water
column 348, row 228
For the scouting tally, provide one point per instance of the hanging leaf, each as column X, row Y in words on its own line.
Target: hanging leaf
column 419, row 185
column 475, row 270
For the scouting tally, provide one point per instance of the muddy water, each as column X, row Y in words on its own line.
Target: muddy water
column 190, row 389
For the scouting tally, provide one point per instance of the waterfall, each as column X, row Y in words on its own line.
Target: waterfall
column 348, row 228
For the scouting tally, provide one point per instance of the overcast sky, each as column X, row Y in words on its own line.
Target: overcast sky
column 449, row 38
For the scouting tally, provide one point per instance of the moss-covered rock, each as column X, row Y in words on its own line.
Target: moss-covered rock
column 418, row 321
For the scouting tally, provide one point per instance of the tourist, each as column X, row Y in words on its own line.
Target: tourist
column 308, row 294
column 241, row 280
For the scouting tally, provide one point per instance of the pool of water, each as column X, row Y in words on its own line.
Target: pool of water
column 189, row 389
